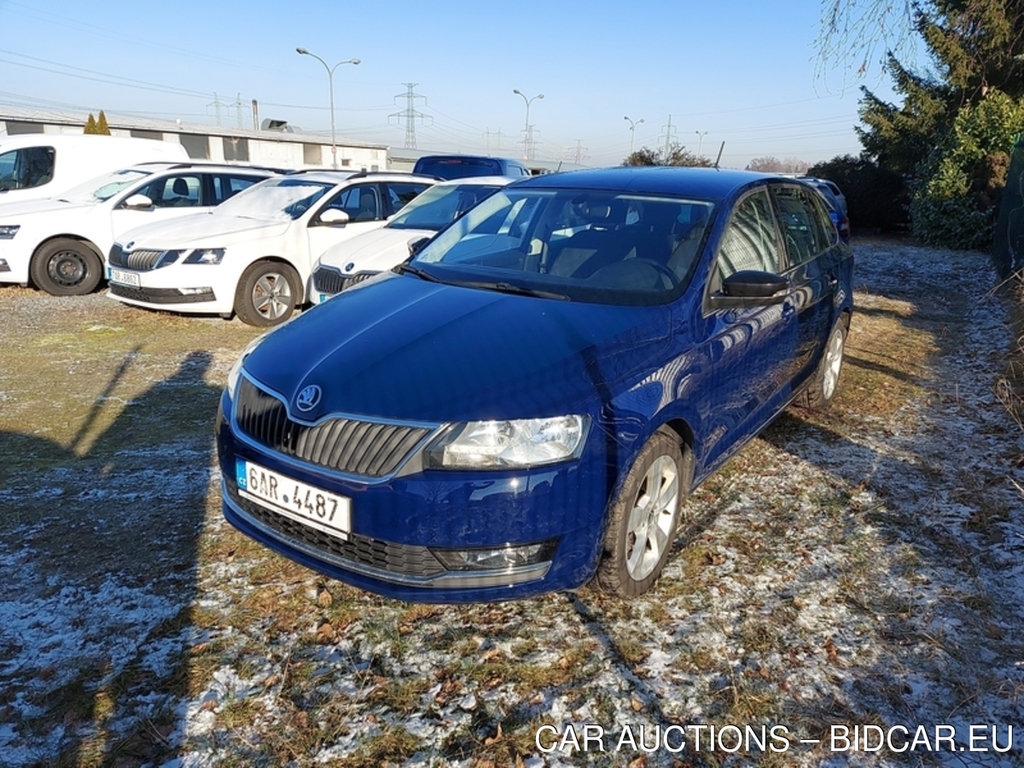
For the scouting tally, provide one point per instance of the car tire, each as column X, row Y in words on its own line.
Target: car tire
column 822, row 387
column 643, row 518
column 66, row 267
column 267, row 294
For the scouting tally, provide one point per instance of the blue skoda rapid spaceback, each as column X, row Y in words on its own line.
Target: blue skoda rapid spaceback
column 525, row 405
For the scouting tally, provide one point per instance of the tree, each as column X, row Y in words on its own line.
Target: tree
column 976, row 43
column 677, row 155
column 951, row 135
column 94, row 126
column 770, row 164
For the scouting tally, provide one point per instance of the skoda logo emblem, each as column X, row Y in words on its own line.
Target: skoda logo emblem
column 308, row 399
column 128, row 247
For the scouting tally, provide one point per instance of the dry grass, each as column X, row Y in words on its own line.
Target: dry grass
column 801, row 591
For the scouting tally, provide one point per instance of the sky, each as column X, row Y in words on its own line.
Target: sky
column 737, row 76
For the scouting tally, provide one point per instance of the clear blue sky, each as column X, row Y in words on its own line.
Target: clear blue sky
column 740, row 71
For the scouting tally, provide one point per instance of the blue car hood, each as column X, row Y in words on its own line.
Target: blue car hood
column 406, row 349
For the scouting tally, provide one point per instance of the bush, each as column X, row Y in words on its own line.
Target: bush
column 876, row 197
column 957, row 193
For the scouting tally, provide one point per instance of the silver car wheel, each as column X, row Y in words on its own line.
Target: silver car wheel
column 833, row 363
column 272, row 296
column 652, row 519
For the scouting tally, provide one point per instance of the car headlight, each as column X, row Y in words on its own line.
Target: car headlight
column 8, row 231
column 236, row 370
column 508, row 444
column 205, row 256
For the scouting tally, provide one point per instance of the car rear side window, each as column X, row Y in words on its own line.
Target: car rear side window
column 800, row 217
column 400, row 193
column 26, row 168
column 750, row 240
column 224, row 186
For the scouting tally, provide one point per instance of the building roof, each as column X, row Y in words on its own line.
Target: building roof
column 132, row 123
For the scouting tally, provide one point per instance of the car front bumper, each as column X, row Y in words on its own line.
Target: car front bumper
column 405, row 529
column 186, row 289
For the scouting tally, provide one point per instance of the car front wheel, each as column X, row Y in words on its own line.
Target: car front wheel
column 643, row 518
column 66, row 267
column 267, row 294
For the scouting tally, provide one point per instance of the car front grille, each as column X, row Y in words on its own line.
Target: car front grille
column 362, row 448
column 327, row 280
column 140, row 260
column 404, row 559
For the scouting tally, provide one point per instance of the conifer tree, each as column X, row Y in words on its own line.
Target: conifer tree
column 101, row 124
column 90, row 124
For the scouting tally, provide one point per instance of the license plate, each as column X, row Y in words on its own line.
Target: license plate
column 121, row 277
column 298, row 501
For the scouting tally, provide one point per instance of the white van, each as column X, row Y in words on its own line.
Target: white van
column 37, row 165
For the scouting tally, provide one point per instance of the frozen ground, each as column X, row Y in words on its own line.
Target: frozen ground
column 863, row 568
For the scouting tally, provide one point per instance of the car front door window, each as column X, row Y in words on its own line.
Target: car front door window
column 748, row 348
column 182, row 191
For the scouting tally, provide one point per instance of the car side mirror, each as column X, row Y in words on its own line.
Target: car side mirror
column 417, row 244
column 138, row 203
column 333, row 217
column 751, row 288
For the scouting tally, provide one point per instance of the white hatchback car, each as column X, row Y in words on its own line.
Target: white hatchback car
column 58, row 244
column 253, row 255
column 362, row 257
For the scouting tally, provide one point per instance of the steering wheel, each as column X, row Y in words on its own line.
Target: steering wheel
column 663, row 270
column 620, row 272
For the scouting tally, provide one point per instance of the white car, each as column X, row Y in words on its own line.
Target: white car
column 58, row 244
column 253, row 255
column 38, row 165
column 362, row 257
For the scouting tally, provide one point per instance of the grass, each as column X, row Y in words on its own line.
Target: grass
column 362, row 681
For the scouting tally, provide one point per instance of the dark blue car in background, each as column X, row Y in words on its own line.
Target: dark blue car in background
column 525, row 405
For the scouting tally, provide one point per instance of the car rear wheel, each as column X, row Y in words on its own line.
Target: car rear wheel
column 66, row 267
column 267, row 294
column 822, row 387
column 643, row 518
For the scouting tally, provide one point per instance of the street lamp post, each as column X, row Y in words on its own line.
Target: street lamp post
column 700, row 141
column 330, row 81
column 527, row 133
column 632, row 131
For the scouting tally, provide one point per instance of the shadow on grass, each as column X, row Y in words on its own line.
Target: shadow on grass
column 109, row 533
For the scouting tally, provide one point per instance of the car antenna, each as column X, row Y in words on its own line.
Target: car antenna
column 718, row 159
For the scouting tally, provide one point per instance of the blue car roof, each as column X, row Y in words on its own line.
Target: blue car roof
column 709, row 183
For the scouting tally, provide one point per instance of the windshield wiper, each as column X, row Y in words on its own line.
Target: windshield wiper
column 409, row 269
column 509, row 288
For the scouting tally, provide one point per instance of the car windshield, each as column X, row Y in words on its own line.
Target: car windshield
column 285, row 199
column 440, row 205
column 103, row 187
column 580, row 245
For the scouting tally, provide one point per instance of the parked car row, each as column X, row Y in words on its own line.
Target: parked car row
column 144, row 228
